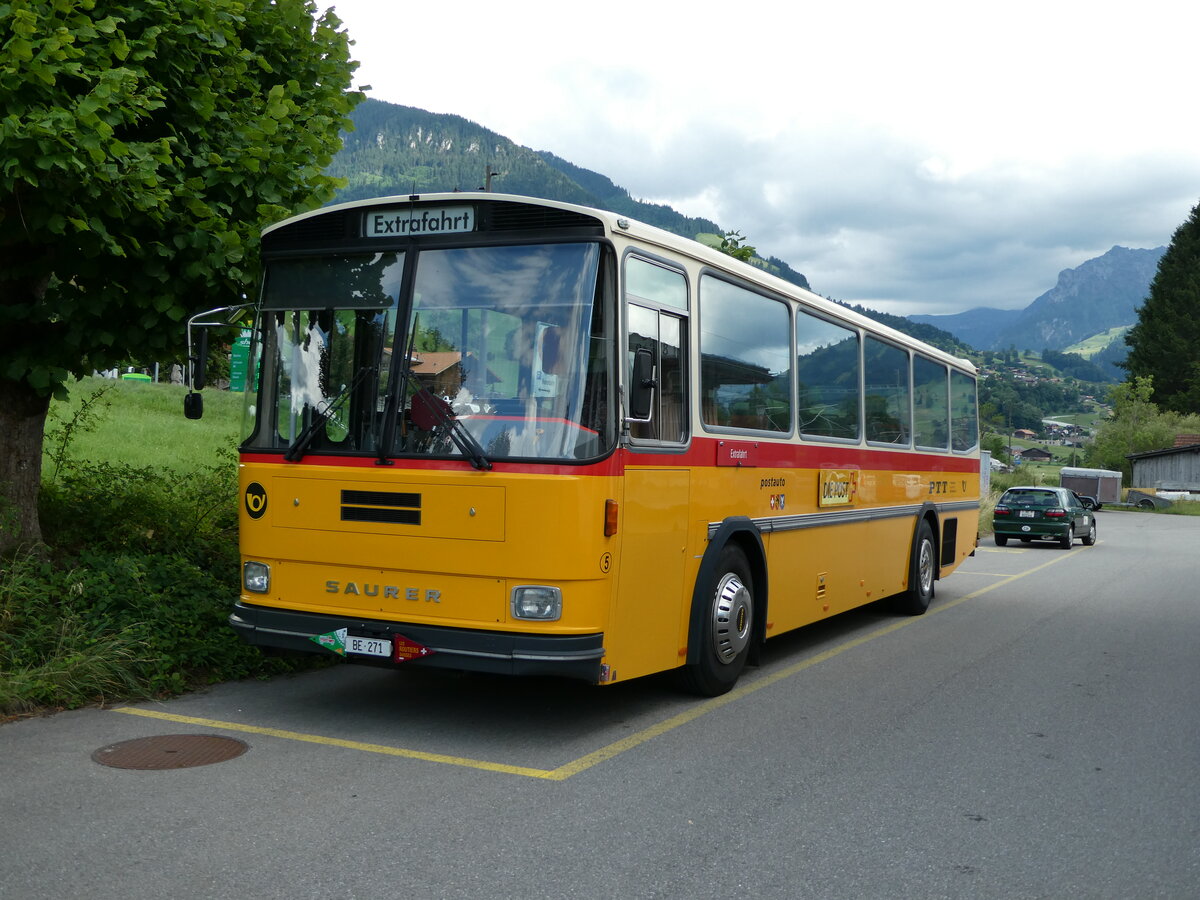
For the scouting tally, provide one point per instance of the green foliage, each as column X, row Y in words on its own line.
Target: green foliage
column 1074, row 365
column 145, row 144
column 134, row 597
column 1137, row 425
column 141, row 425
column 50, row 655
column 1181, row 508
column 1165, row 342
column 1007, row 404
column 1090, row 347
column 130, row 597
column 83, row 418
column 731, row 244
column 997, row 445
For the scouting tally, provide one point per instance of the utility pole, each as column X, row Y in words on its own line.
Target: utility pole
column 489, row 174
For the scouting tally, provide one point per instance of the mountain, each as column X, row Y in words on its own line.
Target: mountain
column 403, row 150
column 1101, row 294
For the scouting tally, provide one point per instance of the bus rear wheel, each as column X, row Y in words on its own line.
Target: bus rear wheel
column 922, row 567
column 726, row 629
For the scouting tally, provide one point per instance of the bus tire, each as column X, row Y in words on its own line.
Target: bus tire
column 922, row 567
column 727, row 627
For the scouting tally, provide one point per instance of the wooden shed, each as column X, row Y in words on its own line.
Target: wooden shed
column 1173, row 469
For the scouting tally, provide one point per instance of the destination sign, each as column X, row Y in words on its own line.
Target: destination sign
column 737, row 453
column 418, row 222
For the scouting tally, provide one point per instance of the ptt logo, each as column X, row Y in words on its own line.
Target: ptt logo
column 256, row 500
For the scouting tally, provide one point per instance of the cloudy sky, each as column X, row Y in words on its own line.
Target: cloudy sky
column 920, row 157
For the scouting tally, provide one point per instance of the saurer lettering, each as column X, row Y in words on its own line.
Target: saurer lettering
column 387, row 591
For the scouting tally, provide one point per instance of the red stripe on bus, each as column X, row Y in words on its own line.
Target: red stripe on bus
column 700, row 454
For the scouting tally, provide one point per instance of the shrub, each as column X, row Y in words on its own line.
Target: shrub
column 132, row 596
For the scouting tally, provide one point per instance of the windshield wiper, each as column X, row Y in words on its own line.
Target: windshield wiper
column 324, row 414
column 434, row 406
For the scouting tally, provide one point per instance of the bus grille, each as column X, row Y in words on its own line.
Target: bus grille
column 318, row 229
column 381, row 506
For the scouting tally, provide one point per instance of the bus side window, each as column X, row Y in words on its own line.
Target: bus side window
column 888, row 399
column 745, row 358
column 661, row 331
column 661, row 334
column 964, row 417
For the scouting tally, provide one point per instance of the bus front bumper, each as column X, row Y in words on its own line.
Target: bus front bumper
column 470, row 650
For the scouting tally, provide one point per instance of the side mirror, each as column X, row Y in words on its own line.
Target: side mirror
column 641, row 390
column 193, row 405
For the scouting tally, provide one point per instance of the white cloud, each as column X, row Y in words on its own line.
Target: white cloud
column 923, row 157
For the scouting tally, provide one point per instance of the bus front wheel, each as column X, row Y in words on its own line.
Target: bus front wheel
column 726, row 629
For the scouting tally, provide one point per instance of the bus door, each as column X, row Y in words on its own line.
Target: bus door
column 653, row 592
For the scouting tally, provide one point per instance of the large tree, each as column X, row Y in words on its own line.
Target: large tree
column 144, row 144
column 1165, row 341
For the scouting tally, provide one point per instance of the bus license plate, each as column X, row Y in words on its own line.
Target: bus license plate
column 365, row 646
column 1027, row 514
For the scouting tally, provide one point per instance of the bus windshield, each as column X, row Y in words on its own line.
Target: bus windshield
column 487, row 353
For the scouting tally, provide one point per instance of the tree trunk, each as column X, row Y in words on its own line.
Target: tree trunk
column 22, row 427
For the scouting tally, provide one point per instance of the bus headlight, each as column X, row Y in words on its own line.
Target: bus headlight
column 536, row 601
column 256, row 577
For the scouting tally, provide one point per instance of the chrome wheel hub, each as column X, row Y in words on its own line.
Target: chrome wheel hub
column 733, row 613
column 925, row 568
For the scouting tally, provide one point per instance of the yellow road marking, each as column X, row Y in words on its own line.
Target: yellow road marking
column 336, row 742
column 583, row 763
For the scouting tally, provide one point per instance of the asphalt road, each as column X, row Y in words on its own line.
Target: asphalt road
column 1037, row 734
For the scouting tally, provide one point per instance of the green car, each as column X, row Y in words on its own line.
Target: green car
column 1027, row 513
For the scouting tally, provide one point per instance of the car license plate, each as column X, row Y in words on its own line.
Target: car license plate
column 1027, row 514
column 365, row 646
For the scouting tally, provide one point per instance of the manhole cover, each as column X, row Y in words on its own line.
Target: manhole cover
column 170, row 751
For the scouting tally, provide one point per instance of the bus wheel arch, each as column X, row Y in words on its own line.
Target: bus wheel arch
column 726, row 627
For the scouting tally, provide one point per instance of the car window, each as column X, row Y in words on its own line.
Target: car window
column 1031, row 498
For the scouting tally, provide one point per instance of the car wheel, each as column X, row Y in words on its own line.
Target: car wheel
column 1067, row 539
column 1090, row 538
column 1001, row 540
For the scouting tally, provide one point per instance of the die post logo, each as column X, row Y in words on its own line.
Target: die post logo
column 256, row 500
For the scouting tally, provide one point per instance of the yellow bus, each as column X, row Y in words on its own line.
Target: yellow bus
column 510, row 435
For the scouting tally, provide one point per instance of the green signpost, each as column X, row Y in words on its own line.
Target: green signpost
column 239, row 361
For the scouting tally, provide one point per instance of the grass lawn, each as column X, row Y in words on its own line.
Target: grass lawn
column 141, row 424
